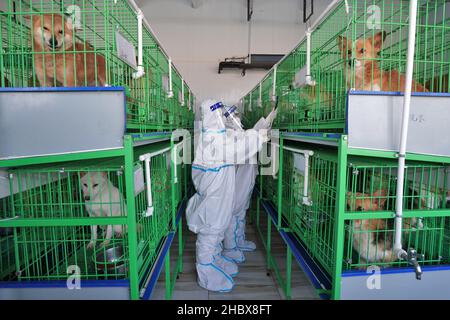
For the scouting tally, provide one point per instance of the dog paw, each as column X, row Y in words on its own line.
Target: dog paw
column 91, row 245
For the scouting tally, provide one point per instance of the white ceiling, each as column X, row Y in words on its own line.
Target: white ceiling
column 197, row 39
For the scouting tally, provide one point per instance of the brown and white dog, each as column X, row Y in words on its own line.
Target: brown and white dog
column 60, row 60
column 372, row 239
column 363, row 67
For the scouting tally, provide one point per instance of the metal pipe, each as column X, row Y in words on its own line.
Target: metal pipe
column 147, row 158
column 170, row 93
column 308, row 78
column 274, row 83
column 174, row 161
column 182, row 92
column 140, row 68
column 249, row 57
column 136, row 8
column 260, row 94
column 307, row 154
column 398, row 250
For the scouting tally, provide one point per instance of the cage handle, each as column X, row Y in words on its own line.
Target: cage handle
column 146, row 158
column 140, row 69
column 170, row 93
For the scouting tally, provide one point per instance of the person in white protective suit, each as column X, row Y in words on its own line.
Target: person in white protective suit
column 209, row 210
column 235, row 243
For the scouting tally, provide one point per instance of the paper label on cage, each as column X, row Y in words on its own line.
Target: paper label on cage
column 299, row 162
column 300, row 78
column 180, row 97
column 139, row 184
column 125, row 50
column 165, row 82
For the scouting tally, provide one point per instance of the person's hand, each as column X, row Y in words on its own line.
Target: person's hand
column 272, row 115
column 264, row 134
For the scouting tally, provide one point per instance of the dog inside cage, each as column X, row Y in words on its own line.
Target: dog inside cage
column 91, row 44
column 73, row 194
column 373, row 189
column 362, row 49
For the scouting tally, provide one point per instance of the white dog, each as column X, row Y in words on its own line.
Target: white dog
column 102, row 199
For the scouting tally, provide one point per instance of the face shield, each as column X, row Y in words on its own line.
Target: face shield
column 212, row 117
column 232, row 118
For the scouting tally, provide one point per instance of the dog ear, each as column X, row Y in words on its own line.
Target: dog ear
column 342, row 42
column 82, row 174
column 378, row 40
column 33, row 18
column 380, row 197
column 104, row 174
column 68, row 22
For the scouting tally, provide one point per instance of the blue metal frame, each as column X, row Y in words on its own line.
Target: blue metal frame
column 316, row 275
column 156, row 272
column 359, row 273
column 104, row 283
column 150, row 134
column 306, row 134
column 63, row 284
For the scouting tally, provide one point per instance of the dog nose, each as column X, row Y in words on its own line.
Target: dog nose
column 53, row 42
column 87, row 198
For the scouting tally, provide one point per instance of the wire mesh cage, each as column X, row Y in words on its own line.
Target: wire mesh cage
column 364, row 49
column 76, row 216
column 77, row 43
column 370, row 191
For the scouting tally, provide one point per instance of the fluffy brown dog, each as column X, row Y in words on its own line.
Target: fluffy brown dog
column 59, row 60
column 373, row 238
column 365, row 69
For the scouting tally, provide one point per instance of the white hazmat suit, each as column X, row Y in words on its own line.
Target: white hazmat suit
column 209, row 210
column 235, row 243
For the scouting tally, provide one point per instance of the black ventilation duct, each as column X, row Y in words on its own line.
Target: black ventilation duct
column 258, row 61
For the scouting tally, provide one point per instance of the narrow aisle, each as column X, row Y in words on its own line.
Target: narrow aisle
column 252, row 282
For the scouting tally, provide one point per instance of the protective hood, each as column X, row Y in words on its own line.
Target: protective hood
column 212, row 116
column 232, row 119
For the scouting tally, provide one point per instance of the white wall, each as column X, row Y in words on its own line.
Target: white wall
column 198, row 39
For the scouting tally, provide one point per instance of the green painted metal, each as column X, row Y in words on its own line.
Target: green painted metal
column 336, row 41
column 339, row 236
column 353, row 198
column 50, row 223
column 149, row 106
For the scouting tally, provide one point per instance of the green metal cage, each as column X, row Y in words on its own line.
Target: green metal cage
column 362, row 49
column 366, row 236
column 53, row 207
column 77, row 43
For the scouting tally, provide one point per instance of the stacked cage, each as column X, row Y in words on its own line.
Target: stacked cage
column 369, row 200
column 363, row 49
column 100, row 218
column 341, row 203
column 93, row 43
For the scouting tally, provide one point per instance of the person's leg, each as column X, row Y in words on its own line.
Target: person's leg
column 231, row 250
column 235, row 243
column 211, row 275
column 208, row 215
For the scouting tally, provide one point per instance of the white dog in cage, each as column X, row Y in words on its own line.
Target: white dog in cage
column 102, row 199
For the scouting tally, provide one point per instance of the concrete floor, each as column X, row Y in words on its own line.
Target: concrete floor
column 252, row 282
